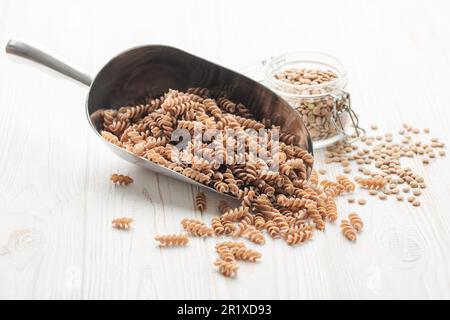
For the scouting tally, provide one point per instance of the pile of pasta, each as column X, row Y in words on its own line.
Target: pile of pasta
column 282, row 202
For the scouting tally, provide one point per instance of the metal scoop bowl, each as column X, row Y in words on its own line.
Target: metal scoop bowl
column 150, row 71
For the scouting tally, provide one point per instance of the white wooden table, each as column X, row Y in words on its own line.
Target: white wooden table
column 56, row 201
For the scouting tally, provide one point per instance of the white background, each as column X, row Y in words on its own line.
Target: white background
column 56, row 202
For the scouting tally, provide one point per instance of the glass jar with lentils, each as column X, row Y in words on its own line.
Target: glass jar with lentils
column 314, row 84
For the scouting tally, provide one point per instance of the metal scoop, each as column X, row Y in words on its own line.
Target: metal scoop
column 150, row 71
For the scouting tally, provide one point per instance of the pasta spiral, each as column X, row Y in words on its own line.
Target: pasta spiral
column 332, row 213
column 254, row 235
column 217, row 226
column 196, row 228
column 259, row 222
column 346, row 183
column 372, row 183
column 231, row 245
column 121, row 179
column 314, row 214
column 236, row 214
column 111, row 138
column 272, row 229
column 314, row 177
column 230, row 229
column 356, row 221
column 227, row 269
column 225, row 254
column 123, row 223
column 200, row 201
column 246, row 254
column 172, row 240
column 347, row 230
column 297, row 235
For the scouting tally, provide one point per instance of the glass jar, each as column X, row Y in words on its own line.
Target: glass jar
column 322, row 101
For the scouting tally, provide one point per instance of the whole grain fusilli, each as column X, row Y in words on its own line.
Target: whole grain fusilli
column 225, row 254
column 217, row 226
column 314, row 178
column 348, row 231
column 172, row 240
column 200, row 201
column 346, row 183
column 227, row 269
column 235, row 215
column 372, row 183
column 121, row 179
column 332, row 213
column 254, row 235
column 196, row 228
column 356, row 221
column 123, row 223
column 246, row 254
column 298, row 234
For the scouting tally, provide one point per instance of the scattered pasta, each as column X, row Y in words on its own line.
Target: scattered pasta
column 217, row 226
column 255, row 235
column 122, row 223
column 332, row 213
column 227, row 269
column 297, row 235
column 346, row 183
column 314, row 178
column 121, row 179
column 246, row 254
column 225, row 254
column 200, row 201
column 196, row 228
column 356, row 221
column 347, row 230
column 172, row 240
column 236, row 214
column 372, row 183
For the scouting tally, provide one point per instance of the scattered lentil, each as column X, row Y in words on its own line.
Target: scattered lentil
column 382, row 196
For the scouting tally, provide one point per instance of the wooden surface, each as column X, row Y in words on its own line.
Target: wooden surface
column 56, row 202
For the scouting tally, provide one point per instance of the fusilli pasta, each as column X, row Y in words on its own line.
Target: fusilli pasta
column 200, row 201
column 172, row 240
column 347, row 230
column 356, row 221
column 122, row 223
column 227, row 269
column 121, row 179
column 372, row 183
column 196, row 228
column 332, row 213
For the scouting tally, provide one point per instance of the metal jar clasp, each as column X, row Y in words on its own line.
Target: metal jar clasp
column 342, row 109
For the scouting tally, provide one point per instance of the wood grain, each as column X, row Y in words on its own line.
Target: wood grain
column 56, row 202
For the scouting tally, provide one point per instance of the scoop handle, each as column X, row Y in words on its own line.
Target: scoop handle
column 26, row 51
